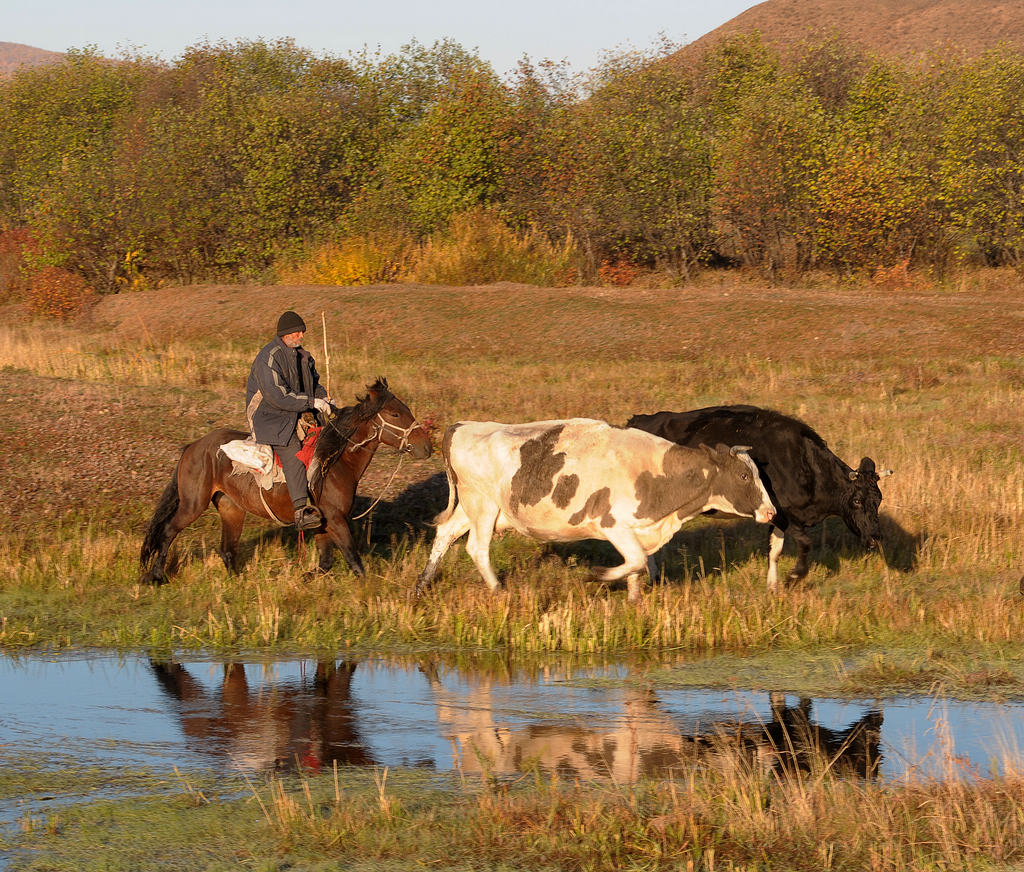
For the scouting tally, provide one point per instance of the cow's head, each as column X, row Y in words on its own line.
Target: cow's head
column 861, row 500
column 736, row 486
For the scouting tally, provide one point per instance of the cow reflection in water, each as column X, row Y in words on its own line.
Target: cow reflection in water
column 645, row 742
column 269, row 727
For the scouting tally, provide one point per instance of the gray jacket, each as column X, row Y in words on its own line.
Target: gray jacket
column 282, row 384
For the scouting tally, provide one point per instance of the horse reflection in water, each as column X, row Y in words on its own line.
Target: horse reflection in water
column 271, row 727
column 645, row 742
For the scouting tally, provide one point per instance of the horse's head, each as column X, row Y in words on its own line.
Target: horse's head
column 378, row 418
column 397, row 427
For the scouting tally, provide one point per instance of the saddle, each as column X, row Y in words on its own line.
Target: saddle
column 249, row 457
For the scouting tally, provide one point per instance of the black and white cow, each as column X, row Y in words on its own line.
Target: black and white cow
column 563, row 481
column 805, row 480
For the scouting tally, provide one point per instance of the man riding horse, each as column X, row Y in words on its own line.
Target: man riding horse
column 283, row 383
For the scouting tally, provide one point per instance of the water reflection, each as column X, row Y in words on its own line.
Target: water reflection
column 640, row 739
column 315, row 721
column 598, row 721
column 309, row 723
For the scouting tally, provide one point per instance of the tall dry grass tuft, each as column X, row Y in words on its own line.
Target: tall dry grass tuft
column 56, row 350
column 478, row 248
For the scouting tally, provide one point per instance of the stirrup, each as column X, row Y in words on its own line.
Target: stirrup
column 308, row 518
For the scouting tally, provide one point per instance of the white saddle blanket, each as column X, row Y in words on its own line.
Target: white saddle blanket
column 254, row 458
column 251, row 454
column 249, row 457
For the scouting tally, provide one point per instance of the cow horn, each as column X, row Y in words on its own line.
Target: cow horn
column 853, row 475
column 736, row 449
column 884, row 473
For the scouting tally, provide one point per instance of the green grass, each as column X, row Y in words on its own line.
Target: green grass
column 961, row 632
column 733, row 812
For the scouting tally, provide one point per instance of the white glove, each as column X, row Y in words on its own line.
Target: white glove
column 322, row 406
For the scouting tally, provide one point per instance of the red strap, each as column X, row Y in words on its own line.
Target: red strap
column 305, row 453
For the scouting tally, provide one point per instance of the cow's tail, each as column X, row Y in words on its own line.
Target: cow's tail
column 453, row 491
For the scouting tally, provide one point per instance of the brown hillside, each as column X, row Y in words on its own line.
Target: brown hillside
column 14, row 55
column 901, row 28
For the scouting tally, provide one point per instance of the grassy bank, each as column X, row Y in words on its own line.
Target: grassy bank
column 929, row 384
column 730, row 813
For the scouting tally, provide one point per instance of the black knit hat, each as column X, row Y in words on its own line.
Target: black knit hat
column 289, row 322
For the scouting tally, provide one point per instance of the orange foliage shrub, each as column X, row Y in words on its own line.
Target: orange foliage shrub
column 57, row 293
column 478, row 248
column 365, row 259
column 620, row 273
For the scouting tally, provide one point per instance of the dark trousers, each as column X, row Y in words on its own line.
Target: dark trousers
column 294, row 471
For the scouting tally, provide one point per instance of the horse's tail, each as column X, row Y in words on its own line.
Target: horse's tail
column 165, row 509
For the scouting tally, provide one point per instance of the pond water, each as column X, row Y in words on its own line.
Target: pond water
column 599, row 722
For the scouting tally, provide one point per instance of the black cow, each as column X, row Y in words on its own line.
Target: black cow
column 806, row 481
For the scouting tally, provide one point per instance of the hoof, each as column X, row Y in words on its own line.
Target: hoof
column 153, row 578
column 423, row 583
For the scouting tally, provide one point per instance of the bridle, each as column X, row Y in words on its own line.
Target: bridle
column 380, row 426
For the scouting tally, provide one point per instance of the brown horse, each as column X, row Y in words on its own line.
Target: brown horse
column 343, row 451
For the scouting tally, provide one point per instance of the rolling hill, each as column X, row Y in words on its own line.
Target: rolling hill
column 14, row 55
column 907, row 29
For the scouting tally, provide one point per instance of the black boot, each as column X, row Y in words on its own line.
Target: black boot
column 308, row 517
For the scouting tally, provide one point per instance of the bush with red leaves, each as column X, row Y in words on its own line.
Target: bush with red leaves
column 57, row 293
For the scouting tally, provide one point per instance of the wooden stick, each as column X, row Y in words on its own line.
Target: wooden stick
column 327, row 357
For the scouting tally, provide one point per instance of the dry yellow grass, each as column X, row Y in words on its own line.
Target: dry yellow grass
column 929, row 384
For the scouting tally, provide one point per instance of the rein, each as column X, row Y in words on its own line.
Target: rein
column 384, row 490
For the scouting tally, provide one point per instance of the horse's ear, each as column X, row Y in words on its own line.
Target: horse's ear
column 378, row 387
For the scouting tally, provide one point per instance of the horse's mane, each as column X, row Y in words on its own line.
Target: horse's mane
column 337, row 434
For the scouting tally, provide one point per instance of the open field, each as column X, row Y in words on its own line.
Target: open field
column 930, row 384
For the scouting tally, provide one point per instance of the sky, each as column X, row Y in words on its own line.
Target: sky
column 579, row 32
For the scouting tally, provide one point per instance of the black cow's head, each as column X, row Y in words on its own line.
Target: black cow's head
column 861, row 502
